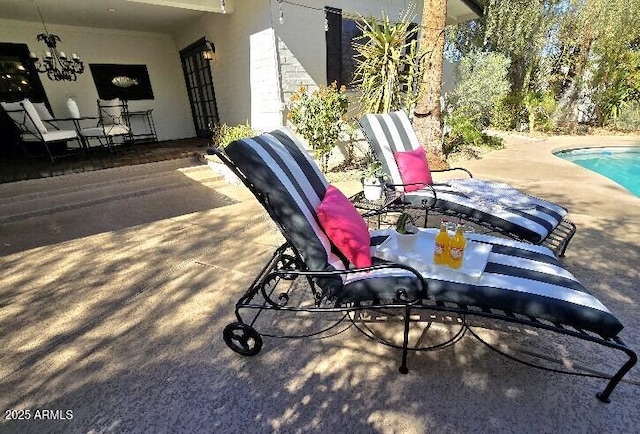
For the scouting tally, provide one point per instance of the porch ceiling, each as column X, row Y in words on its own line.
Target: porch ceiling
column 163, row 16
column 459, row 11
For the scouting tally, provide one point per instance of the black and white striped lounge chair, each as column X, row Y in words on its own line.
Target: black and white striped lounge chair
column 522, row 283
column 539, row 222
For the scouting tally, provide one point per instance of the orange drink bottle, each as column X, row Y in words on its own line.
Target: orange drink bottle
column 456, row 248
column 441, row 250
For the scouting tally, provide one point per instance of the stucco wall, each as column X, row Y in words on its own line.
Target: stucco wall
column 302, row 34
column 158, row 51
column 231, row 68
column 300, row 41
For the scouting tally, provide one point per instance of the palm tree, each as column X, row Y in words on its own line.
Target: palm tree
column 427, row 116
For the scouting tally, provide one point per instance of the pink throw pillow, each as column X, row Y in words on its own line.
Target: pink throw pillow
column 414, row 169
column 345, row 227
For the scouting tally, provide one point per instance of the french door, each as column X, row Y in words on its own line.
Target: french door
column 197, row 75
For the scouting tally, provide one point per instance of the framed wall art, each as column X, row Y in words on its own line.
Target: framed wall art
column 127, row 82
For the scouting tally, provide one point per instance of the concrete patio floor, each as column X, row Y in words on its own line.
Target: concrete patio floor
column 116, row 284
column 15, row 166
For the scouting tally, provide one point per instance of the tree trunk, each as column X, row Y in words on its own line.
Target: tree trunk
column 566, row 114
column 427, row 120
column 517, row 73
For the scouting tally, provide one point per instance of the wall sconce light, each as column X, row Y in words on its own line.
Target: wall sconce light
column 210, row 52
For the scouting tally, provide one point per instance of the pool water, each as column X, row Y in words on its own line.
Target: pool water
column 621, row 165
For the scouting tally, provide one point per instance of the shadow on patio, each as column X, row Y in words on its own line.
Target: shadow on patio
column 124, row 328
column 14, row 166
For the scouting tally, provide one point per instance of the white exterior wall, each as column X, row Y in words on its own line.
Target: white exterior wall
column 266, row 106
column 231, row 69
column 171, row 110
column 301, row 37
column 300, row 43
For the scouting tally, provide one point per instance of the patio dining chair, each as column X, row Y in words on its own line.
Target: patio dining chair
column 36, row 129
column 43, row 112
column 112, row 123
column 497, row 206
column 339, row 262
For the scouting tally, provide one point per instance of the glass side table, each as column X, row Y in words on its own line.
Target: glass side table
column 375, row 211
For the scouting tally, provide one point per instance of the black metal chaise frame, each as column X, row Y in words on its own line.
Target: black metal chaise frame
column 287, row 265
column 398, row 134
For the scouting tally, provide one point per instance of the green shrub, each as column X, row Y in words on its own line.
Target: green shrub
column 482, row 83
column 319, row 117
column 505, row 113
column 540, row 107
column 622, row 88
column 224, row 134
column 628, row 118
column 462, row 135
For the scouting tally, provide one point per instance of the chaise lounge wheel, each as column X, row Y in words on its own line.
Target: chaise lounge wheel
column 242, row 338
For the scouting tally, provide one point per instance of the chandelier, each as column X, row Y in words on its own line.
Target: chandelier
column 56, row 63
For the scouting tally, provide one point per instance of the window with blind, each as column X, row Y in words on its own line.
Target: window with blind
column 341, row 57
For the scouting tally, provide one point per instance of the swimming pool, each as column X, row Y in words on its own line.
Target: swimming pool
column 620, row 164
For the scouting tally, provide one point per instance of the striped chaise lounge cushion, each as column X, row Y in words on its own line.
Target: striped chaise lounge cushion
column 521, row 278
column 392, row 132
column 283, row 173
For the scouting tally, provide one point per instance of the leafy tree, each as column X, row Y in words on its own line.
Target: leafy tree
column 518, row 29
column 563, row 49
column 614, row 63
column 481, row 84
column 622, row 86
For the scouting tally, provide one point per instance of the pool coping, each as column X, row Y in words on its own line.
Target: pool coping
column 613, row 149
column 617, row 148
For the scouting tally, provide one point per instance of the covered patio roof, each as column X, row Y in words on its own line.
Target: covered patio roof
column 162, row 16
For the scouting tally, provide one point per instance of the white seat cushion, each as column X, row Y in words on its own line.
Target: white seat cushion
column 32, row 123
column 42, row 111
column 72, row 106
column 35, row 117
column 112, row 108
column 116, row 130
column 52, row 136
column 109, row 130
column 92, row 132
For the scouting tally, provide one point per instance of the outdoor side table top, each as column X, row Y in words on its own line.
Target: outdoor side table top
column 389, row 201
